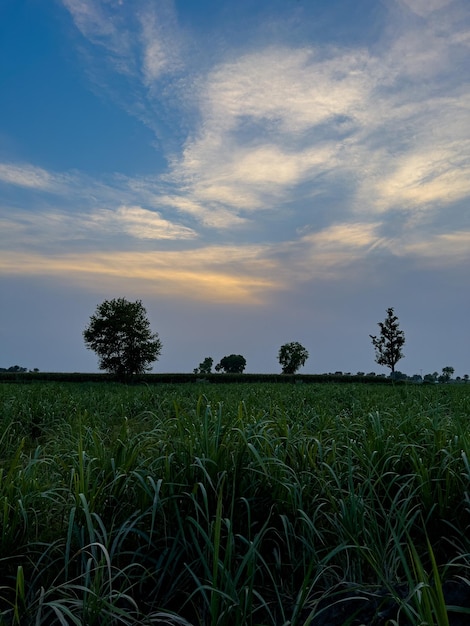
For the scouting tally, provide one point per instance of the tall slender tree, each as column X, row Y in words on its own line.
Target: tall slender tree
column 388, row 345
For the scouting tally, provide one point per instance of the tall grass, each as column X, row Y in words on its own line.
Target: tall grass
column 238, row 504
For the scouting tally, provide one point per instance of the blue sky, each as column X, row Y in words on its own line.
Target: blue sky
column 255, row 172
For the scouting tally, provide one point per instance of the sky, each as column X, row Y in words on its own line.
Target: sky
column 255, row 173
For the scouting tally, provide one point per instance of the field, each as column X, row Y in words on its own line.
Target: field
column 217, row 504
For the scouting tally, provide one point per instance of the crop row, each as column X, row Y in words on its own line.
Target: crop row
column 234, row 504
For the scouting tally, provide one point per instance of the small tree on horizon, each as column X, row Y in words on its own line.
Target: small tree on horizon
column 231, row 364
column 292, row 356
column 119, row 332
column 446, row 375
column 205, row 367
column 388, row 345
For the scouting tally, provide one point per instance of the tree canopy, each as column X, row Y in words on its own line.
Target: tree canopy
column 292, row 356
column 205, row 367
column 231, row 364
column 119, row 332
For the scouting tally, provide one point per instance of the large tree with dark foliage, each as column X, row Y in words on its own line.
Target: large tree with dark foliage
column 231, row 364
column 292, row 356
column 119, row 332
column 388, row 345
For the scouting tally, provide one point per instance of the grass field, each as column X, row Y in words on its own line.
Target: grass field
column 268, row 504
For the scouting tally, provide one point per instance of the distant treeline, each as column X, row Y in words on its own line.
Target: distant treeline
column 77, row 377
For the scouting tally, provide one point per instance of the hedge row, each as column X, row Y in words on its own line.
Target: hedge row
column 78, row 377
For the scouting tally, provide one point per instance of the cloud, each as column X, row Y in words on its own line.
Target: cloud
column 444, row 249
column 270, row 122
column 425, row 7
column 104, row 25
column 243, row 273
column 27, row 176
column 141, row 224
column 281, row 123
column 220, row 219
column 293, row 89
column 330, row 252
column 159, row 41
column 349, row 236
column 424, row 178
column 208, row 274
column 141, row 42
column 350, row 149
column 276, row 120
column 53, row 228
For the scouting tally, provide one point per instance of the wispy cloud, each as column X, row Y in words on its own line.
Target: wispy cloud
column 160, row 42
column 39, row 243
column 141, row 42
column 104, row 24
column 141, row 223
column 437, row 251
column 349, row 140
column 267, row 125
column 438, row 175
column 196, row 274
column 274, row 121
column 425, row 7
column 218, row 219
column 28, row 176
column 53, row 229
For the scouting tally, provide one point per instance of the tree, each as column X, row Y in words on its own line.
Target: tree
column 232, row 364
column 399, row 375
column 205, row 367
column 119, row 332
column 389, row 343
column 431, row 378
column 446, row 374
column 291, row 357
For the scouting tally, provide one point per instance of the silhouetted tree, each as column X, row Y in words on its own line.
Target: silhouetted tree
column 446, row 374
column 205, row 367
column 389, row 343
column 232, row 364
column 119, row 332
column 291, row 357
